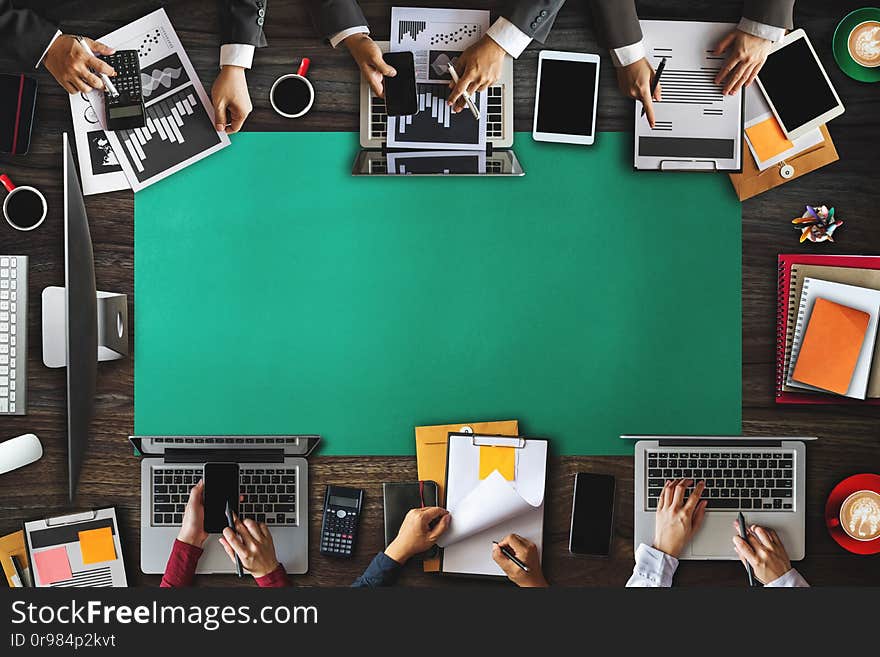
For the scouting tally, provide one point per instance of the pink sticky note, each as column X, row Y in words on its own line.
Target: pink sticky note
column 52, row 565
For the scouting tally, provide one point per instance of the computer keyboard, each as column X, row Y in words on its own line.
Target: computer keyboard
column 268, row 494
column 735, row 480
column 13, row 335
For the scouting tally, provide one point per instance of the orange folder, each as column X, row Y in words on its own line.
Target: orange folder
column 830, row 349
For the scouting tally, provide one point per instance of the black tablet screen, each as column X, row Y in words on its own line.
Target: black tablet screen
column 565, row 101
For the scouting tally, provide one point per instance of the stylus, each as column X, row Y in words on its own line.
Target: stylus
column 109, row 85
column 467, row 98
column 510, row 555
column 742, row 534
column 655, row 81
column 231, row 524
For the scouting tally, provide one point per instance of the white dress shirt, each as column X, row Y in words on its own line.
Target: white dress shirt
column 655, row 569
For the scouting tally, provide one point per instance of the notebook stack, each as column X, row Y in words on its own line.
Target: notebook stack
column 826, row 333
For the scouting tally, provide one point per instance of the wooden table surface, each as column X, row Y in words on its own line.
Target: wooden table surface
column 848, row 435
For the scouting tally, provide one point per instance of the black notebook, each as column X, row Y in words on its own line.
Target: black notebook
column 398, row 499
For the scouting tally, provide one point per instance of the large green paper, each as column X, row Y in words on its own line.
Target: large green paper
column 276, row 293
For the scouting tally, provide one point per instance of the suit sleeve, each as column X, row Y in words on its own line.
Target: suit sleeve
column 333, row 16
column 241, row 21
column 533, row 17
column 24, row 35
column 778, row 13
column 616, row 22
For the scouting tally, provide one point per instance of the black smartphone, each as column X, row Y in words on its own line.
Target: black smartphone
column 221, row 486
column 18, row 97
column 592, row 514
column 400, row 91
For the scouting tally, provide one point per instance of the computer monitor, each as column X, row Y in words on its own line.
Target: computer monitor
column 80, row 324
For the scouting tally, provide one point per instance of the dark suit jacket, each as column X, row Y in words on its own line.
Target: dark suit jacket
column 24, row 35
column 332, row 16
column 241, row 21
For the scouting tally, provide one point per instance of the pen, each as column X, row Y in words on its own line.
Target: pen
column 238, row 569
column 107, row 84
column 17, row 579
column 656, row 80
column 507, row 553
column 742, row 535
column 467, row 98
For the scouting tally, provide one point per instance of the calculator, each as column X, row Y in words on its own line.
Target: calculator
column 126, row 110
column 342, row 510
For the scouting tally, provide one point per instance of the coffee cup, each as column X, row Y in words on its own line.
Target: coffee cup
column 863, row 44
column 292, row 95
column 859, row 515
column 24, row 207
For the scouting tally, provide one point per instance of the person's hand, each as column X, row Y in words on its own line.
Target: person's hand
column 764, row 551
column 417, row 533
column 635, row 81
column 193, row 529
column 527, row 552
column 677, row 519
column 369, row 59
column 72, row 66
column 252, row 542
column 747, row 54
column 478, row 68
column 232, row 102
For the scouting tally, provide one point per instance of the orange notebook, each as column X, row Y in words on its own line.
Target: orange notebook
column 831, row 346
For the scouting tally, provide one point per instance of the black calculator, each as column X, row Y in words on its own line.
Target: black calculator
column 342, row 510
column 126, row 110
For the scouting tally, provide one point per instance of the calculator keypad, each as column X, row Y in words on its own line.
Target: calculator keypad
column 338, row 535
column 128, row 77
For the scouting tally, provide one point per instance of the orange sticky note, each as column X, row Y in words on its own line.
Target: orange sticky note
column 52, row 565
column 767, row 139
column 494, row 458
column 96, row 545
column 830, row 349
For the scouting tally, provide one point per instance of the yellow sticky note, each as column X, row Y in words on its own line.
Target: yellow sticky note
column 96, row 545
column 767, row 139
column 494, row 458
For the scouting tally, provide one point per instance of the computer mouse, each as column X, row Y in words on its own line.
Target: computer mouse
column 18, row 452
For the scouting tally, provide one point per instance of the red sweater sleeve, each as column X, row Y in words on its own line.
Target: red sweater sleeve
column 276, row 579
column 181, row 567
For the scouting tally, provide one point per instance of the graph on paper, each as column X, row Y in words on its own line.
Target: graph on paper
column 436, row 126
column 412, row 29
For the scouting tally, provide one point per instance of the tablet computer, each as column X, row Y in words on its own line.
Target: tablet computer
column 797, row 87
column 565, row 98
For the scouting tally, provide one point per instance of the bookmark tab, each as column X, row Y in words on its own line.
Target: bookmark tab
column 494, row 458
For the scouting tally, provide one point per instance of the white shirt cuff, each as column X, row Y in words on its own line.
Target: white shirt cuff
column 339, row 37
column 791, row 579
column 653, row 568
column 769, row 32
column 236, row 54
column 43, row 56
column 509, row 36
column 626, row 55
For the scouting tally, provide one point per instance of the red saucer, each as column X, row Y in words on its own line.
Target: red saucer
column 832, row 512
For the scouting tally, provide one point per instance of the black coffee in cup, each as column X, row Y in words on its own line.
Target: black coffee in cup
column 292, row 95
column 24, row 208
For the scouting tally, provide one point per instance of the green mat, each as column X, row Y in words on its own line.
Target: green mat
column 276, row 294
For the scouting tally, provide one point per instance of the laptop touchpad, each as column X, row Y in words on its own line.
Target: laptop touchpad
column 715, row 538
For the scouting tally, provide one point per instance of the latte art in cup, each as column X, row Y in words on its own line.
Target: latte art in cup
column 860, row 515
column 864, row 43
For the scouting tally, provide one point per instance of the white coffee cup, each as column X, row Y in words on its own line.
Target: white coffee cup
column 10, row 201
column 304, row 96
column 873, row 25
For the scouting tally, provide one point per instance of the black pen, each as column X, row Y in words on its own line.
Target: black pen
column 742, row 535
column 19, row 574
column 656, row 80
column 231, row 525
column 510, row 555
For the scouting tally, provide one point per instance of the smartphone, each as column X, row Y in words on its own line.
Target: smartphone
column 592, row 514
column 400, row 91
column 221, row 486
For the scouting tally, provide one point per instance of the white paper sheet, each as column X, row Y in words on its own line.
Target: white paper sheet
column 696, row 126
column 434, row 126
column 98, row 166
column 757, row 110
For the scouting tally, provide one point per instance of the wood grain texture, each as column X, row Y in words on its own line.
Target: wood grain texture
column 848, row 435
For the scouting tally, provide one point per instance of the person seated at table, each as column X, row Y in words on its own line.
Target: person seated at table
column 33, row 41
column 679, row 519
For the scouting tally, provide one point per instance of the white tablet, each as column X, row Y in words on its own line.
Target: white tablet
column 797, row 87
column 566, row 96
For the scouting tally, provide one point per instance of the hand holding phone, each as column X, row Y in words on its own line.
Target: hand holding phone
column 221, row 487
column 400, row 91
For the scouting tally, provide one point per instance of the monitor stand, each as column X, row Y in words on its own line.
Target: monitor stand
column 112, row 326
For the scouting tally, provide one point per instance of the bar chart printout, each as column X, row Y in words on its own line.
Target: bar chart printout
column 436, row 126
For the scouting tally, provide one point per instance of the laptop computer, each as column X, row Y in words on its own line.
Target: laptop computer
column 498, row 160
column 765, row 478
column 273, row 481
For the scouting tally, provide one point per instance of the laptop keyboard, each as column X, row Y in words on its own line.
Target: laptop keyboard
column 735, row 480
column 268, row 494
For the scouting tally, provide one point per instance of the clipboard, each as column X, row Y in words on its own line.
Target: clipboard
column 76, row 550
column 752, row 181
column 431, row 443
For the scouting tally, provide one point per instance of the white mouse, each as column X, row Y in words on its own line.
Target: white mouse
column 18, row 452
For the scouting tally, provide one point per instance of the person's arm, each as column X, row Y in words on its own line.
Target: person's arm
column 653, row 568
column 25, row 36
column 763, row 549
column 252, row 542
column 181, row 567
column 527, row 552
column 332, row 18
column 419, row 531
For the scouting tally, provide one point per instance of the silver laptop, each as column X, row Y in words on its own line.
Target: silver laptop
column 497, row 161
column 762, row 477
column 273, row 481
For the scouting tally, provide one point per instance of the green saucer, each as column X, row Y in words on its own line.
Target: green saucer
column 841, row 52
